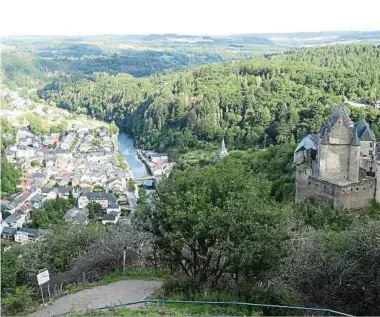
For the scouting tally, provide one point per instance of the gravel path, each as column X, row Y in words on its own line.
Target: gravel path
column 111, row 294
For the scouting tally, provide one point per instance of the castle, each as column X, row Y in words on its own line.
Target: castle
column 338, row 166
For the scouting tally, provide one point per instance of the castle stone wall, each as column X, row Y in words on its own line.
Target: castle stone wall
column 357, row 195
column 352, row 196
column 340, row 134
column 335, row 161
column 302, row 177
column 367, row 149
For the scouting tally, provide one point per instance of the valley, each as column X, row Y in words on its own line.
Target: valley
column 174, row 156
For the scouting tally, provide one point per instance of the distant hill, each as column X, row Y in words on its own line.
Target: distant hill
column 319, row 38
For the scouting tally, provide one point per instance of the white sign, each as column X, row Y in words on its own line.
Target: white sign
column 43, row 277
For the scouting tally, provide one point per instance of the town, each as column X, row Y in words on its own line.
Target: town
column 81, row 163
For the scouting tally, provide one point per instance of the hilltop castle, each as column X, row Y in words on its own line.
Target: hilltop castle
column 338, row 166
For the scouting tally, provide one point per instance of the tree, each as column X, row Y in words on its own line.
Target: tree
column 35, row 163
column 97, row 188
column 131, row 185
column 113, row 128
column 5, row 214
column 206, row 223
column 95, row 210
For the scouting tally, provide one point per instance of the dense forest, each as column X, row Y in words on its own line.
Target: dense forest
column 9, row 174
column 31, row 70
column 272, row 100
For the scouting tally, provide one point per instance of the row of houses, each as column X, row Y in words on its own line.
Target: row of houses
column 23, row 235
column 79, row 214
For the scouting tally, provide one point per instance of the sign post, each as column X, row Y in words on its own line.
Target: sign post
column 124, row 256
column 42, row 278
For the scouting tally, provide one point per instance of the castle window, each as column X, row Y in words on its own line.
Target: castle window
column 309, row 182
column 363, row 188
column 352, row 189
column 324, row 186
column 370, row 144
column 357, row 189
column 370, row 153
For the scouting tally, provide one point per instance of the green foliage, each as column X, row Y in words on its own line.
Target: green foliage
column 320, row 217
column 52, row 214
column 338, row 270
column 95, row 142
column 9, row 174
column 36, row 163
column 5, row 214
column 95, row 210
column 24, row 70
column 255, row 103
column 113, row 128
column 122, row 162
column 181, row 309
column 18, row 302
column 131, row 185
column 215, row 220
column 98, row 188
column 37, row 125
column 9, row 178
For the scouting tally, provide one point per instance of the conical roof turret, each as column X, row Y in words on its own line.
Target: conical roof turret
column 355, row 140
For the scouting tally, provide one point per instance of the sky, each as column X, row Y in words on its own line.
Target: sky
column 83, row 17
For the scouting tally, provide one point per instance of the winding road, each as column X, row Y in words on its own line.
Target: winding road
column 112, row 294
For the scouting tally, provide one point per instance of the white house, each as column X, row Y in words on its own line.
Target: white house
column 49, row 193
column 24, row 152
column 113, row 207
column 26, row 235
column 15, row 220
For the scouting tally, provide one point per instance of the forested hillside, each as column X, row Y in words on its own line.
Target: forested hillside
column 262, row 101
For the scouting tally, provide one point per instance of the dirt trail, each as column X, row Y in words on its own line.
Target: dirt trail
column 111, row 294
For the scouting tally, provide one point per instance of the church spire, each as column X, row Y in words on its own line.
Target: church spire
column 223, row 151
column 223, row 148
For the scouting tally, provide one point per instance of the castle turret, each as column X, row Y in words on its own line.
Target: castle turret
column 322, row 154
column 377, row 194
column 302, row 182
column 353, row 172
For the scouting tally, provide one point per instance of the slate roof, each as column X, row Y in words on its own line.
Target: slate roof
column 8, row 231
column 111, row 216
column 308, row 142
column 364, row 131
column 46, row 190
column 63, row 190
column 14, row 217
column 100, row 196
column 113, row 205
column 33, row 233
column 78, row 215
column 340, row 112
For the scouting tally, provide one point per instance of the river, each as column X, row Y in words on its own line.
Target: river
column 127, row 148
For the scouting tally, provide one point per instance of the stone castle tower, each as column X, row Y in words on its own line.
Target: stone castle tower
column 338, row 166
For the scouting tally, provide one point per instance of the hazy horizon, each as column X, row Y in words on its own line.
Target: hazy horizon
column 188, row 34
column 213, row 18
